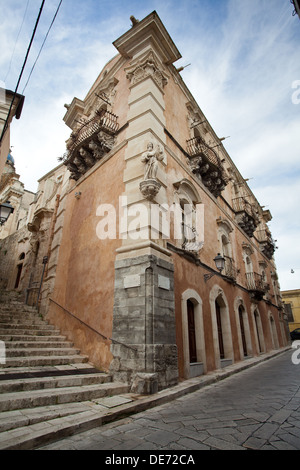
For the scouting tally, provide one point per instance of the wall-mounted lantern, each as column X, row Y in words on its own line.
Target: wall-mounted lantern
column 5, row 210
column 220, row 265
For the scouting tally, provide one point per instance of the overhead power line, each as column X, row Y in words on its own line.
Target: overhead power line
column 21, row 73
column 16, row 41
column 42, row 45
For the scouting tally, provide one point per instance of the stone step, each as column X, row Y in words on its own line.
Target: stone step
column 18, row 312
column 33, row 361
column 28, row 343
column 44, row 351
column 47, row 387
column 31, row 338
column 28, row 332
column 22, row 320
column 37, row 383
column 17, row 309
column 36, row 432
column 54, row 396
column 18, row 418
column 42, row 433
column 16, row 373
column 26, row 324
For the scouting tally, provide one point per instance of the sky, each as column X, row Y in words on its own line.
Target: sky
column 244, row 75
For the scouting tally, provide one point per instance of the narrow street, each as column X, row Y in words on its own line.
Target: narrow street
column 257, row 409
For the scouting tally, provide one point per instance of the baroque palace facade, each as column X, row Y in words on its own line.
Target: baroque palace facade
column 135, row 221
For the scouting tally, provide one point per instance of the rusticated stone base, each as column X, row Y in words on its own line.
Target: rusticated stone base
column 144, row 347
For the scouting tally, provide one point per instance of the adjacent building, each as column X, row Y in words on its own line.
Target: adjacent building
column 13, row 230
column 291, row 300
column 160, row 262
column 11, row 105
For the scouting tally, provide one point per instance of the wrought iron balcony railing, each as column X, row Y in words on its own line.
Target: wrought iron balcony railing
column 206, row 164
column 90, row 142
column 267, row 243
column 256, row 284
column 246, row 216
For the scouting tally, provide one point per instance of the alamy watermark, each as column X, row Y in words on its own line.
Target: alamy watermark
column 139, row 221
column 296, row 354
column 2, row 353
column 296, row 94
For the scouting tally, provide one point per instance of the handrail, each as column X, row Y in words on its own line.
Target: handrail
column 90, row 327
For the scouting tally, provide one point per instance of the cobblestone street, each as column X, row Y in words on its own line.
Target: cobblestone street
column 256, row 409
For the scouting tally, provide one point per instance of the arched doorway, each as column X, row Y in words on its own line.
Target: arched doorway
column 243, row 328
column 274, row 334
column 221, row 326
column 259, row 331
column 193, row 353
column 192, row 332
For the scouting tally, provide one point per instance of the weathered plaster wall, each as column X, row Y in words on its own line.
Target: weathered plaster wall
column 85, row 271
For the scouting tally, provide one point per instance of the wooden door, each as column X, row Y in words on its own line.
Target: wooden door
column 220, row 332
column 243, row 331
column 19, row 267
column 192, row 332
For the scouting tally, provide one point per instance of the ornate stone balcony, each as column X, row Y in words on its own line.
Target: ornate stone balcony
column 267, row 243
column 245, row 215
column 90, row 143
column 205, row 163
column 256, row 285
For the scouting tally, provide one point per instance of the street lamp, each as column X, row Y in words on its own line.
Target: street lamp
column 220, row 265
column 220, row 262
column 5, row 210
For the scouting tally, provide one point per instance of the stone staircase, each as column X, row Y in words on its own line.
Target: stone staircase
column 47, row 388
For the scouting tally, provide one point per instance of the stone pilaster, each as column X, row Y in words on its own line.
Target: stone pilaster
column 144, row 350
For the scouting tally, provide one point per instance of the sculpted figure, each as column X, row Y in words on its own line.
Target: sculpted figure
column 151, row 158
column 97, row 152
column 87, row 157
column 106, row 140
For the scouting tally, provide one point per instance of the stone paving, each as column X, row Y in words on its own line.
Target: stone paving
column 256, row 409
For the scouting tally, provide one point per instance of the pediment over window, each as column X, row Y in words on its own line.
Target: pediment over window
column 225, row 224
column 185, row 186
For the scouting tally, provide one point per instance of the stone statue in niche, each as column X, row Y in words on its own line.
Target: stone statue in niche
column 150, row 186
column 151, row 158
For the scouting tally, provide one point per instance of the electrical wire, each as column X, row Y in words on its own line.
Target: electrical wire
column 42, row 45
column 16, row 41
column 21, row 73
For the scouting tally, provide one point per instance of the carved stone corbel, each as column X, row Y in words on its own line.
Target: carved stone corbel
column 96, row 150
column 87, row 157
